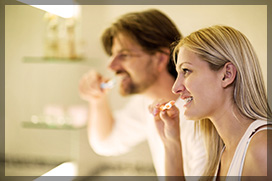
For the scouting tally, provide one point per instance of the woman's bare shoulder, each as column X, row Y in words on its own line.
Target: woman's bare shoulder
column 259, row 154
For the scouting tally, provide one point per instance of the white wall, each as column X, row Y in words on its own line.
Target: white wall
column 30, row 86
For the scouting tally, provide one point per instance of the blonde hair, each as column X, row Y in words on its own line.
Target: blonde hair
column 218, row 45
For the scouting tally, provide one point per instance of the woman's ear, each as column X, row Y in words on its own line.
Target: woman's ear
column 163, row 59
column 229, row 74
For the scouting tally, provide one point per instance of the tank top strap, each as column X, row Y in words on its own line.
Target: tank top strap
column 258, row 126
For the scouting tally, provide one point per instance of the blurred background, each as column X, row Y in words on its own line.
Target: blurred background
column 45, row 56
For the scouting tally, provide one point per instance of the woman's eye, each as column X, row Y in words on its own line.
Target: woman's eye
column 185, row 71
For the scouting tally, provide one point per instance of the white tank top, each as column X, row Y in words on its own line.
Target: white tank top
column 237, row 163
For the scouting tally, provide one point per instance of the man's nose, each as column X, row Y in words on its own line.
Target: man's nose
column 114, row 63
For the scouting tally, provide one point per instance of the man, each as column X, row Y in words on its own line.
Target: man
column 139, row 46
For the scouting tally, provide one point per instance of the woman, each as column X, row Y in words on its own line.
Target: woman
column 221, row 83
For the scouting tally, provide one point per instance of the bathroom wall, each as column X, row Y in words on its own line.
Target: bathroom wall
column 29, row 86
column 188, row 18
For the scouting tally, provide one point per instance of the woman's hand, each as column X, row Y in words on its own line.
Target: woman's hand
column 167, row 121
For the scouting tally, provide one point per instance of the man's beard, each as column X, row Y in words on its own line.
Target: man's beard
column 130, row 87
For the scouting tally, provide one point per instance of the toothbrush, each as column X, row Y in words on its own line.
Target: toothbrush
column 167, row 106
column 108, row 85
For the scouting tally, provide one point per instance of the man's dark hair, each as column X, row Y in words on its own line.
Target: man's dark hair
column 152, row 29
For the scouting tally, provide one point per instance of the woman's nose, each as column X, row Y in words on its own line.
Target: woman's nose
column 178, row 86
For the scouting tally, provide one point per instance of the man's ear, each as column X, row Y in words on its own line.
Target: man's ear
column 228, row 74
column 163, row 59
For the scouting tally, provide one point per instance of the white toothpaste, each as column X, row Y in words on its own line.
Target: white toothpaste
column 108, row 85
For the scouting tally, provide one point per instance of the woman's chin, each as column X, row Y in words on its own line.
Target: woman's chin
column 191, row 116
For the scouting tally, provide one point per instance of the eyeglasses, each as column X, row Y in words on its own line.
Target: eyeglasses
column 131, row 54
column 127, row 55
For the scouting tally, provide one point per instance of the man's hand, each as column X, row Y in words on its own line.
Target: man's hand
column 90, row 87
